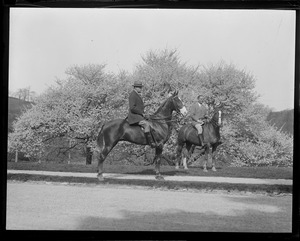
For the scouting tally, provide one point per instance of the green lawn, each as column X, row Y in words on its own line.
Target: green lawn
column 225, row 171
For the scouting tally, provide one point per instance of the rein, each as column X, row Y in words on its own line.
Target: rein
column 157, row 119
column 164, row 119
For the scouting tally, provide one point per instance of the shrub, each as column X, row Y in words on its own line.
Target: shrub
column 266, row 147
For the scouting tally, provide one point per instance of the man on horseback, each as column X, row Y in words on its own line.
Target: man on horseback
column 199, row 114
column 136, row 115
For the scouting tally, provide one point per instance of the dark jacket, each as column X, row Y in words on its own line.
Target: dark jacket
column 136, row 108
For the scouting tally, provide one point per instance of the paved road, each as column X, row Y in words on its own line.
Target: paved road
column 56, row 206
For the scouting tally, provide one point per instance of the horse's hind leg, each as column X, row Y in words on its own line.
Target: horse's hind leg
column 188, row 155
column 108, row 137
column 207, row 152
column 157, row 160
column 105, row 145
column 101, row 155
column 178, row 155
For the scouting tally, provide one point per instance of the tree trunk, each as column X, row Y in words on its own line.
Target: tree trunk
column 16, row 157
column 69, row 152
column 89, row 155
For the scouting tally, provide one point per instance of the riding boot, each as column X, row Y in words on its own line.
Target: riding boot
column 201, row 139
column 149, row 139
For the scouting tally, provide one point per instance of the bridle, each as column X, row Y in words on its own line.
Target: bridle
column 219, row 122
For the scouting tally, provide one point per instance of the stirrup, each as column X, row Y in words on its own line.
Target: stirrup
column 150, row 140
column 152, row 144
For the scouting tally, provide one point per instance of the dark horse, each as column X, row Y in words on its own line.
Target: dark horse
column 187, row 136
column 119, row 130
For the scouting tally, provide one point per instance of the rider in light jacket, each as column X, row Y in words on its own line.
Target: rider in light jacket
column 198, row 114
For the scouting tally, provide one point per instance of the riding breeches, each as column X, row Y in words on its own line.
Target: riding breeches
column 199, row 128
column 146, row 125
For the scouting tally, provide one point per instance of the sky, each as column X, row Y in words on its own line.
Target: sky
column 44, row 42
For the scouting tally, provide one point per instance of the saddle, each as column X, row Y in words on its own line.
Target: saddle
column 152, row 131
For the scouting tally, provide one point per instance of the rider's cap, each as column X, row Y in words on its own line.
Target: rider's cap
column 137, row 83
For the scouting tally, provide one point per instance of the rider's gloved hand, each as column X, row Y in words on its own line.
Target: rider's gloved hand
column 146, row 116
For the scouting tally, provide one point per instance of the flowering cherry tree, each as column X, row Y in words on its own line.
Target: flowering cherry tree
column 73, row 110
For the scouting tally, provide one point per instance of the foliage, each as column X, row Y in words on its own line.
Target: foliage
column 15, row 108
column 162, row 72
column 282, row 120
column 233, row 88
column 75, row 108
column 251, row 141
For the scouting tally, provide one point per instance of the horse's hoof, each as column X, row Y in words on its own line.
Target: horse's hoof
column 205, row 170
column 214, row 169
column 159, row 178
column 100, row 178
column 177, row 167
column 185, row 168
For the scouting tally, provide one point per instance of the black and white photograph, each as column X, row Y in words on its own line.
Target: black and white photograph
column 151, row 119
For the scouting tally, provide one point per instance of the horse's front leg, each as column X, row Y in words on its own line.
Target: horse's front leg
column 184, row 163
column 207, row 150
column 213, row 158
column 157, row 160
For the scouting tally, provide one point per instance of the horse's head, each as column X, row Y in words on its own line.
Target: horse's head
column 217, row 117
column 178, row 104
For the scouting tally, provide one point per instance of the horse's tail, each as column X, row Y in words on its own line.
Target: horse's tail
column 100, row 138
column 181, row 138
column 180, row 141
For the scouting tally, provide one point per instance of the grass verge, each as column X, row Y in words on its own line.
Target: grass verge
column 170, row 185
column 241, row 172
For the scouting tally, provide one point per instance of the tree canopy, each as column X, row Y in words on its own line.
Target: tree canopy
column 76, row 107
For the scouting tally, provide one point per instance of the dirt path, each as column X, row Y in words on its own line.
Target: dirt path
column 41, row 206
column 167, row 178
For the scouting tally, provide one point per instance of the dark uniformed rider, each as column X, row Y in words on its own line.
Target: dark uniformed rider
column 136, row 115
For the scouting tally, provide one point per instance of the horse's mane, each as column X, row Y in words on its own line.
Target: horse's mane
column 161, row 106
